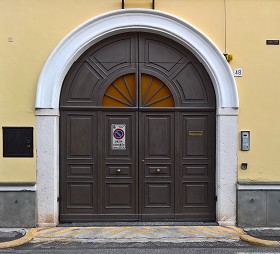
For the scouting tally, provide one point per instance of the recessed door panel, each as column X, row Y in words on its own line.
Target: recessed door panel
column 158, row 194
column 153, row 170
column 195, row 171
column 80, row 136
column 118, row 195
column 195, row 141
column 80, row 170
column 195, row 194
column 118, row 170
column 158, row 141
column 80, row 195
column 116, row 54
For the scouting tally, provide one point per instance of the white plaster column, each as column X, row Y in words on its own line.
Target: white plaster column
column 47, row 136
column 226, row 176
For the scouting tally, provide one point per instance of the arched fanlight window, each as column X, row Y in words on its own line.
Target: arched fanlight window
column 123, row 92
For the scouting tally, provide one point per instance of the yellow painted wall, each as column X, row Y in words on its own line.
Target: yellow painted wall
column 250, row 24
column 37, row 27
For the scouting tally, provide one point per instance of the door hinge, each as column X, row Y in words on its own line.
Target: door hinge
column 58, row 199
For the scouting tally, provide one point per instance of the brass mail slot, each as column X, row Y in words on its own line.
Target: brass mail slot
column 195, row 133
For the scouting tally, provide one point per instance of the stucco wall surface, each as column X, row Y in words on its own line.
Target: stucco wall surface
column 30, row 30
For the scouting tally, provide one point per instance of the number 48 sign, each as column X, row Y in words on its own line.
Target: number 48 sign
column 237, row 72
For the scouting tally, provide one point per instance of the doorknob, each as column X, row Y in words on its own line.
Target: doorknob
column 118, row 171
column 157, row 170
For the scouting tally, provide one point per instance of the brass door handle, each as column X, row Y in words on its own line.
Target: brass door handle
column 157, row 170
column 118, row 171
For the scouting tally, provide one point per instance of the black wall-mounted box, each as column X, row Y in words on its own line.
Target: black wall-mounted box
column 17, row 142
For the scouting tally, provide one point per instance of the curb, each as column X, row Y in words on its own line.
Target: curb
column 242, row 235
column 25, row 239
column 259, row 242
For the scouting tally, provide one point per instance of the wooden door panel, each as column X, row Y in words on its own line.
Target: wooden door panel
column 78, row 164
column 153, row 170
column 80, row 136
column 80, row 195
column 80, row 170
column 118, row 53
column 195, row 137
column 191, row 84
column 118, row 196
column 156, row 165
column 195, row 194
column 159, row 54
column 197, row 166
column 170, row 60
column 158, row 195
column 195, row 171
column 83, row 84
column 158, row 139
column 119, row 172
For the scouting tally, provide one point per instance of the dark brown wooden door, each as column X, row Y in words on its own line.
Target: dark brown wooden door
column 78, row 162
column 118, row 193
column 195, row 166
column 137, row 134
column 176, row 151
column 156, row 169
column 164, row 172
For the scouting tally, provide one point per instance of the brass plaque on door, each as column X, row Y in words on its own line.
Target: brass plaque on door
column 195, row 133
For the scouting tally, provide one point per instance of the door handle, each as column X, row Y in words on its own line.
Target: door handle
column 157, row 170
column 118, row 171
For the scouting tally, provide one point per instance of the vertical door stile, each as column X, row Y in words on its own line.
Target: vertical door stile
column 99, row 173
column 141, row 165
column 137, row 131
column 136, row 165
column 177, row 165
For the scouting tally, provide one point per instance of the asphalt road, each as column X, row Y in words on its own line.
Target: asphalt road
column 139, row 248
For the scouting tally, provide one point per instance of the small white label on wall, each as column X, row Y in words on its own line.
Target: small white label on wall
column 118, row 136
column 237, row 72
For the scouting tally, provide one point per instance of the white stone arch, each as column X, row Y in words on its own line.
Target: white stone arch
column 103, row 26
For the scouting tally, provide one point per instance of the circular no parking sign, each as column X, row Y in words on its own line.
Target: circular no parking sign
column 118, row 134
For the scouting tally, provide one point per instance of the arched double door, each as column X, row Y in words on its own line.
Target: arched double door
column 137, row 133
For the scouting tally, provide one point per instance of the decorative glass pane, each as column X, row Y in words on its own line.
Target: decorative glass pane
column 122, row 93
column 154, row 93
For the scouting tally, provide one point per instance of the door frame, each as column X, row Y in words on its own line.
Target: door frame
column 106, row 25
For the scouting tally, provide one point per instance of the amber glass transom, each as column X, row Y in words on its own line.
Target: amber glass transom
column 152, row 93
